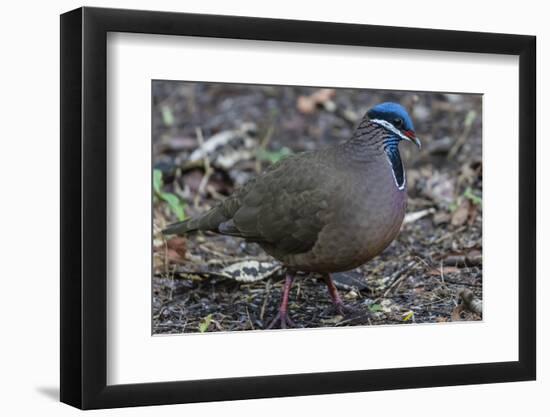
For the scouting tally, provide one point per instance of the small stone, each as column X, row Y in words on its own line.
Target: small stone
column 352, row 295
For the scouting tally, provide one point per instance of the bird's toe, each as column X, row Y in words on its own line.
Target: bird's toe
column 282, row 321
column 344, row 309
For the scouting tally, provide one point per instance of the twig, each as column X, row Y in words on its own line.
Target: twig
column 394, row 284
column 169, row 273
column 455, row 282
column 396, row 279
column 468, row 123
column 207, row 169
column 165, row 255
column 413, row 217
column 249, row 320
column 353, row 318
column 421, row 306
column 218, row 324
column 171, row 325
column 171, row 296
column 263, row 146
column 441, row 273
column 423, row 261
column 212, row 191
column 264, row 304
column 449, row 234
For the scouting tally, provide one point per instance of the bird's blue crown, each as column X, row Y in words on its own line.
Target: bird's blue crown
column 393, row 113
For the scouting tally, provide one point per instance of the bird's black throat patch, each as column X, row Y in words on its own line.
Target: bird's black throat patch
column 392, row 151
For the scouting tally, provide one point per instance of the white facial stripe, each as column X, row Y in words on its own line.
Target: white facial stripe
column 388, row 126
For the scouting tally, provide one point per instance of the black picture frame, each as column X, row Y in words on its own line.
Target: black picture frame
column 84, row 207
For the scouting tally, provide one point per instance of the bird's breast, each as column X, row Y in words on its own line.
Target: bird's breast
column 364, row 217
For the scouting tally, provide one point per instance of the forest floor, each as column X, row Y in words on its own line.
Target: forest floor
column 209, row 139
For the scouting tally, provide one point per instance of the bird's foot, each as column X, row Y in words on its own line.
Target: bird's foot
column 339, row 305
column 282, row 320
column 343, row 309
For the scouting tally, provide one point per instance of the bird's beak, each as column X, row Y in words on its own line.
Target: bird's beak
column 411, row 137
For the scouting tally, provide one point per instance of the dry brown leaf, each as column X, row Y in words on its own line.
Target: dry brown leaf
column 176, row 249
column 306, row 105
column 323, row 95
column 462, row 213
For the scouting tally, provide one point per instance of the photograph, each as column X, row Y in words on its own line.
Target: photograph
column 292, row 207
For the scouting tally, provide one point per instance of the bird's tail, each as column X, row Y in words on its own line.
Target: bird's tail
column 208, row 221
column 179, row 228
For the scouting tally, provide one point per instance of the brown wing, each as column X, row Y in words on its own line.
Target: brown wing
column 286, row 207
column 283, row 209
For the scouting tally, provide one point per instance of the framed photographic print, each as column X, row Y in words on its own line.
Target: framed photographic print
column 258, row 207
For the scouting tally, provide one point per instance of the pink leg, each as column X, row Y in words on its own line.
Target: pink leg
column 282, row 317
column 335, row 297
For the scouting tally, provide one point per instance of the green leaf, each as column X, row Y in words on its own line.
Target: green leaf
column 273, row 156
column 408, row 316
column 157, row 181
column 375, row 308
column 167, row 115
column 469, row 194
column 205, row 323
column 177, row 206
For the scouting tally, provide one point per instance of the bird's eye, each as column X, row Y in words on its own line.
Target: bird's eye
column 398, row 123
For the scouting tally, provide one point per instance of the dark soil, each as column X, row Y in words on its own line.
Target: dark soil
column 417, row 279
